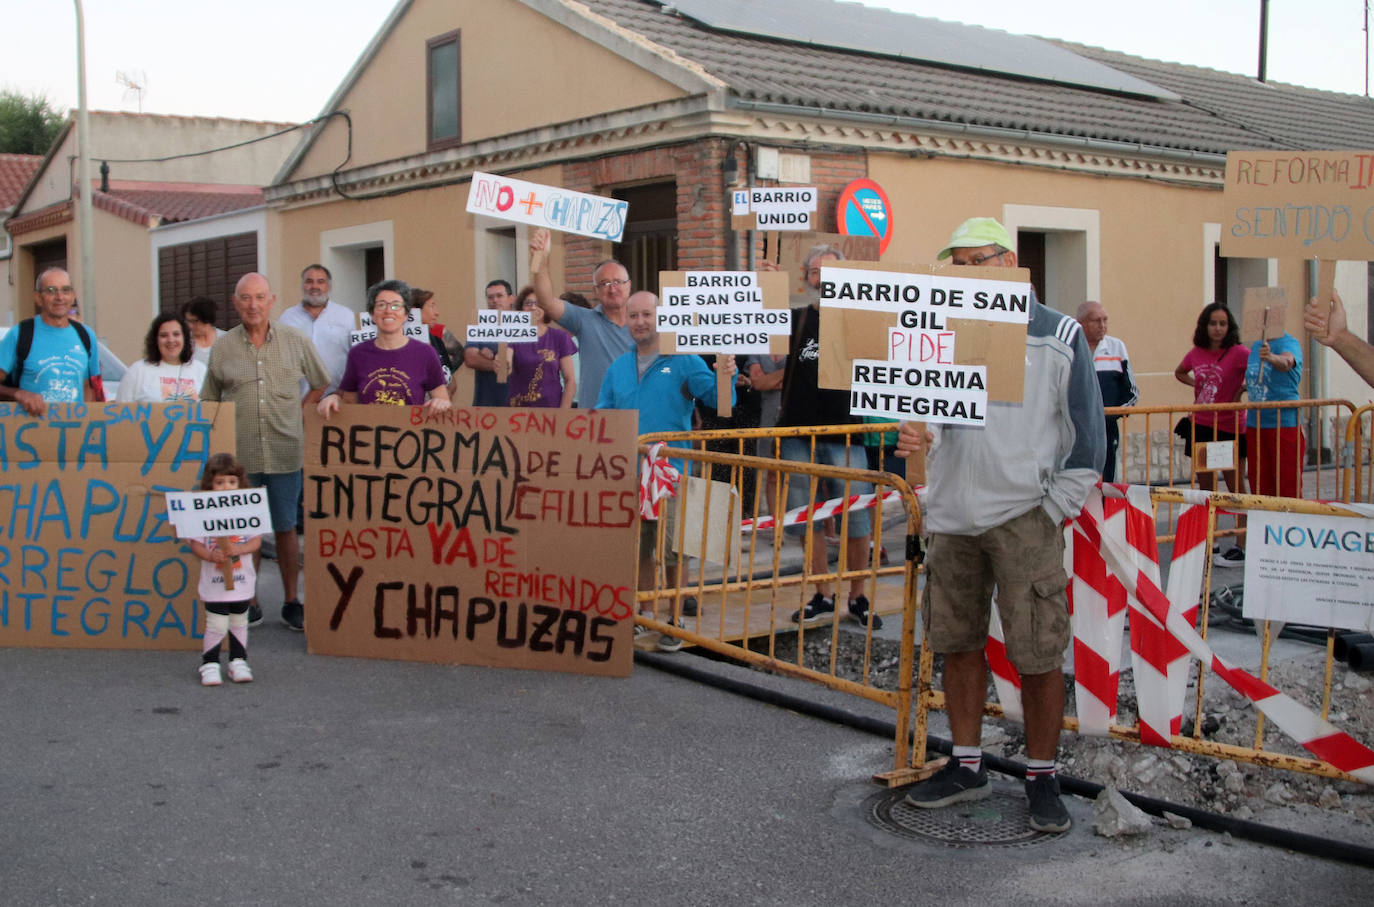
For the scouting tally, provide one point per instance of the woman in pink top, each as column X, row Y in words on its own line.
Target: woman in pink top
column 1215, row 369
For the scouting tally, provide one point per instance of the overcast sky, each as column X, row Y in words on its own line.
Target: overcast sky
column 208, row 59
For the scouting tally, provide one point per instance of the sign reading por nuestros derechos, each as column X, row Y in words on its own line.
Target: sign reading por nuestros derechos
column 88, row 559
column 475, row 536
column 1299, row 204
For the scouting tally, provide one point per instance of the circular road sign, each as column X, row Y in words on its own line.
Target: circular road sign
column 863, row 210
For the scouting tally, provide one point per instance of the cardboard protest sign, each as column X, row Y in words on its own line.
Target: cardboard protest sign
column 773, row 208
column 934, row 343
column 367, row 330
column 547, row 206
column 723, row 312
column 1298, row 204
column 793, row 248
column 1310, row 569
column 1263, row 314
column 88, row 559
column 476, row 536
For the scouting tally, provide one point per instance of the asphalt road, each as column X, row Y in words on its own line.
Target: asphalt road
column 335, row 781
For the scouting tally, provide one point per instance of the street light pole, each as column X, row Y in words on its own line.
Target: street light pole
column 83, row 175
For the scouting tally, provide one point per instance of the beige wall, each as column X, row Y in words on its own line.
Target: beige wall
column 519, row 71
column 124, row 291
column 1152, row 253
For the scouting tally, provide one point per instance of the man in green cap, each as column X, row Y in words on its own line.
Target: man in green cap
column 996, row 502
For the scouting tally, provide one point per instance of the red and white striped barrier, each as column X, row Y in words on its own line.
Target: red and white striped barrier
column 1128, row 562
column 657, row 480
column 821, row 511
column 1097, row 602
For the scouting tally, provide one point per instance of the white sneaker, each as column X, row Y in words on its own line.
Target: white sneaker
column 239, row 672
column 209, row 674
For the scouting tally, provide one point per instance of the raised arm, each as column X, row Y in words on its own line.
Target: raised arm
column 1327, row 322
column 540, row 243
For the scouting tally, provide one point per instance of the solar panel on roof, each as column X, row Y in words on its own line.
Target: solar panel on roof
column 853, row 26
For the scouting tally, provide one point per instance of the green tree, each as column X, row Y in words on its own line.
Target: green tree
column 28, row 124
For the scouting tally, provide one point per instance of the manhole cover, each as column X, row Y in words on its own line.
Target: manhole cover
column 1000, row 820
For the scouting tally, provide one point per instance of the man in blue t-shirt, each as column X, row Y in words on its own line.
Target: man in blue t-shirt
column 59, row 365
column 661, row 388
column 488, row 389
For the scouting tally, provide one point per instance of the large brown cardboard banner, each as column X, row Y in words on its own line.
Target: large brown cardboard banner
column 1299, row 204
column 501, row 537
column 87, row 557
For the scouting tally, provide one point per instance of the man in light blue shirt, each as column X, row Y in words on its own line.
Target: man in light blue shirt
column 62, row 356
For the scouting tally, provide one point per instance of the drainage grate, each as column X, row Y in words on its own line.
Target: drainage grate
column 997, row 821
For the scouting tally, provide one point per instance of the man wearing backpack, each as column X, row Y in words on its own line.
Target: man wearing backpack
column 49, row 358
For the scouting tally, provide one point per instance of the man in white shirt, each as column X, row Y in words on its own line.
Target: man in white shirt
column 327, row 323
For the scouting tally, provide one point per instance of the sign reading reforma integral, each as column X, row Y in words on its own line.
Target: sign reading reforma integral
column 773, row 208
column 87, row 557
column 922, row 343
column 474, row 536
column 735, row 312
column 1310, row 569
column 1299, row 204
column 547, row 206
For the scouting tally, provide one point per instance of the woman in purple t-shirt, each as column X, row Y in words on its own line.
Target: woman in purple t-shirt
column 391, row 368
column 1215, row 369
column 541, row 373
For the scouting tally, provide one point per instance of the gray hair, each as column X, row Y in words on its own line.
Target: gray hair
column 399, row 287
column 820, row 251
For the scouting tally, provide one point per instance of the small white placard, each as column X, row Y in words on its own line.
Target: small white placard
column 198, row 514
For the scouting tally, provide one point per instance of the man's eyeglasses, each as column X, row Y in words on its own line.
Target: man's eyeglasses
column 607, row 284
column 389, row 307
column 980, row 259
column 58, row 291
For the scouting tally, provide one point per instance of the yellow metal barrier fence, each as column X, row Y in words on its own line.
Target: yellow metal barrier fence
column 737, row 587
column 745, row 599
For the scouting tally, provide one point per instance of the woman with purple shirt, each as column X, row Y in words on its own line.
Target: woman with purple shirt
column 391, row 368
column 541, row 373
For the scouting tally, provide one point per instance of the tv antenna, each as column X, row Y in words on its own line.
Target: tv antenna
column 135, row 84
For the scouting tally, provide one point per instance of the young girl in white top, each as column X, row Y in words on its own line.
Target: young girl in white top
column 226, row 610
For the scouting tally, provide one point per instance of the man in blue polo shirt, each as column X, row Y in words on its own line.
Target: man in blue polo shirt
column 59, row 363
column 662, row 389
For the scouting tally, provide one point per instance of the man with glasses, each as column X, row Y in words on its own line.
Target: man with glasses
column 997, row 498
column 601, row 334
column 258, row 367
column 61, row 358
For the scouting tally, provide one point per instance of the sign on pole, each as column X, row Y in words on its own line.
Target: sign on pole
column 474, row 536
column 547, row 206
column 773, row 208
column 864, row 210
column 367, row 329
column 726, row 313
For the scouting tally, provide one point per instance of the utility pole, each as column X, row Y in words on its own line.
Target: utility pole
column 83, row 171
column 1264, row 38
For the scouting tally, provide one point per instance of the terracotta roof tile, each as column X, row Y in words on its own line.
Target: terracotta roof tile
column 15, row 172
column 171, row 203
